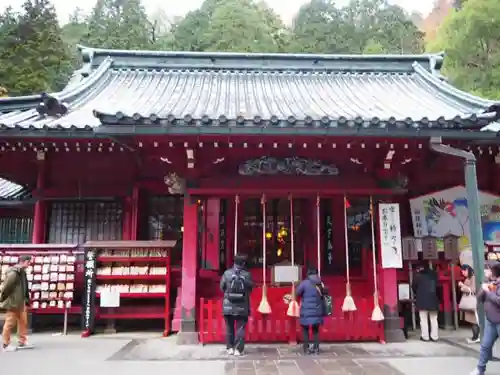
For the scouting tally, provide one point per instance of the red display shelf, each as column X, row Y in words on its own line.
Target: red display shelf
column 139, row 295
column 132, row 277
column 115, row 255
column 132, row 260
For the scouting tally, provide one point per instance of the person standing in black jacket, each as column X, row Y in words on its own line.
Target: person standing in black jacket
column 236, row 284
column 425, row 287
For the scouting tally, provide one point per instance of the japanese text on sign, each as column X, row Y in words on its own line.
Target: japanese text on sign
column 89, row 274
column 390, row 235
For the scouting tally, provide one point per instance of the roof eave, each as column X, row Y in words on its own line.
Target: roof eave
column 127, row 130
column 451, row 91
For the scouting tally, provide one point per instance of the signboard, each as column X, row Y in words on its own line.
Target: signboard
column 404, row 292
column 451, row 250
column 429, row 248
column 328, row 223
column 285, row 274
column 390, row 235
column 410, row 249
column 89, row 269
column 222, row 235
column 446, row 213
column 110, row 298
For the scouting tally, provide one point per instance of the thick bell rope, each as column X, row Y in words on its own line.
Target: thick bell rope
column 318, row 235
column 293, row 306
column 348, row 304
column 236, row 209
column 377, row 314
column 264, row 307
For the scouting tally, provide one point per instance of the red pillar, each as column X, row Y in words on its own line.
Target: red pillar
column 389, row 288
column 187, row 333
column 230, row 212
column 40, row 212
column 134, row 216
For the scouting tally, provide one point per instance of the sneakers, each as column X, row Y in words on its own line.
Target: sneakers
column 476, row 372
column 473, row 341
column 230, row 351
column 237, row 353
column 9, row 348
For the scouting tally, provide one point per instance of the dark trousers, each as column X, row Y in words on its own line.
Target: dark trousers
column 475, row 331
column 235, row 331
column 315, row 336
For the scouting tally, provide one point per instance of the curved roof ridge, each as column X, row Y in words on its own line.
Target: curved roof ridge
column 145, row 53
column 28, row 102
column 450, row 90
column 95, row 76
column 138, row 58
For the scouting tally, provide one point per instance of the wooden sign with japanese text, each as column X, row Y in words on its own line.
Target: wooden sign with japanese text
column 429, row 248
column 390, row 235
column 328, row 225
column 222, row 235
column 410, row 250
column 89, row 269
column 451, row 248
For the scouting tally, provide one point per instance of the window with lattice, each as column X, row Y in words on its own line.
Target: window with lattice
column 78, row 222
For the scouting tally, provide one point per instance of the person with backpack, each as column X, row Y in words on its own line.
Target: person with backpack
column 236, row 284
column 313, row 308
column 15, row 299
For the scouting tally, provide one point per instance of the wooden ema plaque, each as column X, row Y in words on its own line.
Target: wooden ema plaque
column 451, row 251
column 429, row 248
column 410, row 251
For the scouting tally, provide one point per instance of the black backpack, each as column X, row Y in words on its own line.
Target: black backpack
column 236, row 291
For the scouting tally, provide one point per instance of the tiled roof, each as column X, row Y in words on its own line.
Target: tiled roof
column 187, row 89
column 12, row 191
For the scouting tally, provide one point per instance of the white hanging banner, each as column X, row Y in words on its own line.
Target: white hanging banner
column 390, row 235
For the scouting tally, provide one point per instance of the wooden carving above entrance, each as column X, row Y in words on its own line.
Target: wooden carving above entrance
column 289, row 166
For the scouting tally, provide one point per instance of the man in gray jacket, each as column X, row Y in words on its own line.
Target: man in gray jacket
column 236, row 283
column 490, row 296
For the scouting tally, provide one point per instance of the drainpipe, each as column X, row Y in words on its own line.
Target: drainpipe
column 476, row 232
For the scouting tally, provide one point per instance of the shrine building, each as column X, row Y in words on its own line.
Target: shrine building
column 288, row 159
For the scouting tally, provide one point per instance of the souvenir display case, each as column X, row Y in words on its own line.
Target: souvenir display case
column 126, row 280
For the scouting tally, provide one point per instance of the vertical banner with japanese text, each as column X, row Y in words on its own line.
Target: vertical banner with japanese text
column 328, row 225
column 222, row 235
column 88, row 305
column 390, row 235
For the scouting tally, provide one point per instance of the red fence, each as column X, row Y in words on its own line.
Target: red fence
column 278, row 327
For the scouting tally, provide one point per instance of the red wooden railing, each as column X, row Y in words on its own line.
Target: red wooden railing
column 278, row 327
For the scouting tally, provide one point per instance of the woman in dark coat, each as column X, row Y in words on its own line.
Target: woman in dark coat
column 312, row 308
column 425, row 287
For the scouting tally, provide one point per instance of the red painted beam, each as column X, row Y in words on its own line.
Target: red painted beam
column 297, row 192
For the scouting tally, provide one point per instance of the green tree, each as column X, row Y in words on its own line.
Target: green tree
column 231, row 25
column 33, row 56
column 73, row 32
column 319, row 27
column 359, row 27
column 118, row 24
column 470, row 37
column 376, row 21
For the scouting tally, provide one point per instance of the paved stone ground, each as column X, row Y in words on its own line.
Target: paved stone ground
column 132, row 354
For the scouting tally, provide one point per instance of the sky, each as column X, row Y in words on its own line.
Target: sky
column 285, row 8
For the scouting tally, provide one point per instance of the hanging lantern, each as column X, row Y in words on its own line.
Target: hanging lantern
column 269, row 235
